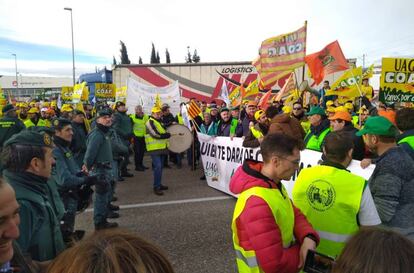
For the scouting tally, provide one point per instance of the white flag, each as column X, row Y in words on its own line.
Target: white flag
column 224, row 95
column 186, row 119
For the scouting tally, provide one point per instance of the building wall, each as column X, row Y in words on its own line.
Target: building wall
column 33, row 86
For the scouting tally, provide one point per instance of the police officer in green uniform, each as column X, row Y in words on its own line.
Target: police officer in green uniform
column 68, row 177
column 139, row 119
column 28, row 162
column 123, row 126
column 98, row 160
column 9, row 123
column 320, row 128
column 78, row 145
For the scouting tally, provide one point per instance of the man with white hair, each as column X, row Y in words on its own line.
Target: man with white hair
column 139, row 120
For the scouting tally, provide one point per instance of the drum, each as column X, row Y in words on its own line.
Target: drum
column 181, row 138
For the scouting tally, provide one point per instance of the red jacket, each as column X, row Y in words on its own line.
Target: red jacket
column 257, row 229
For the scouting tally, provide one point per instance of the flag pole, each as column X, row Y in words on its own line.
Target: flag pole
column 360, row 98
column 303, row 68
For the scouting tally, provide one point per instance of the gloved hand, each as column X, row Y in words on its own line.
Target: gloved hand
column 165, row 136
column 365, row 101
column 91, row 180
column 102, row 185
column 80, row 174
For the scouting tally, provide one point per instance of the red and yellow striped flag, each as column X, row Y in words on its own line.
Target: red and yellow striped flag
column 289, row 86
column 280, row 55
column 193, row 109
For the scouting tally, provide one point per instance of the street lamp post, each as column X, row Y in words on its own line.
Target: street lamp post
column 73, row 46
column 17, row 80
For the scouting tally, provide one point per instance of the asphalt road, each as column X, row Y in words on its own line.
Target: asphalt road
column 191, row 222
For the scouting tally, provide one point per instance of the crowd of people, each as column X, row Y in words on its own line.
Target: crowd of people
column 54, row 159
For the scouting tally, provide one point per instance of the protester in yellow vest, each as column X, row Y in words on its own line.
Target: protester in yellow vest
column 139, row 119
column 320, row 128
column 299, row 114
column 335, row 201
column 22, row 113
column 269, row 233
column 258, row 131
column 34, row 118
column 367, row 90
column 156, row 142
column 66, row 111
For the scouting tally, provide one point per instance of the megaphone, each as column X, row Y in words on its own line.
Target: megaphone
column 304, row 86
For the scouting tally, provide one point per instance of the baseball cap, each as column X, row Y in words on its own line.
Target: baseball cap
column 316, row 110
column 379, row 126
column 341, row 115
column 258, row 114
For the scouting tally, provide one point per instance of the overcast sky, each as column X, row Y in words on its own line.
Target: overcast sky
column 39, row 31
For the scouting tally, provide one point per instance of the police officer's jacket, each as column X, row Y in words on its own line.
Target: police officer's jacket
column 9, row 126
column 40, row 234
column 99, row 150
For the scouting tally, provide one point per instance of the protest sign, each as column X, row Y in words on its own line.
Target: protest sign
column 77, row 93
column 66, row 94
column 145, row 95
column 105, row 92
column 221, row 157
column 397, row 80
column 121, row 94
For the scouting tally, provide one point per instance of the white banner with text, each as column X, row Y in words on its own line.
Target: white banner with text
column 146, row 95
column 221, row 157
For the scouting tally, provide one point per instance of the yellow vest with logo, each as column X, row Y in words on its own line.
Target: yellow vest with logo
column 330, row 198
column 282, row 210
column 153, row 144
column 139, row 125
column 256, row 133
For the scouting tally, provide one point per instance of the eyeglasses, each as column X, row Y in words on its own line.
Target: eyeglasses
column 299, row 108
column 294, row 162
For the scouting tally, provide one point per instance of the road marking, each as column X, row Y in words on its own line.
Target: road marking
column 166, row 203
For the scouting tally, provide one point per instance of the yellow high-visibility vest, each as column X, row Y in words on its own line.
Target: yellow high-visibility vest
column 28, row 123
column 282, row 210
column 330, row 198
column 256, row 133
column 153, row 144
column 139, row 125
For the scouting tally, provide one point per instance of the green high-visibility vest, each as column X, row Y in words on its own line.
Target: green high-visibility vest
column 256, row 133
column 282, row 210
column 409, row 140
column 153, row 144
column 139, row 125
column 315, row 142
column 330, row 198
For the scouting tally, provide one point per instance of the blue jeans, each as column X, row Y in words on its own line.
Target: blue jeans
column 157, row 164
